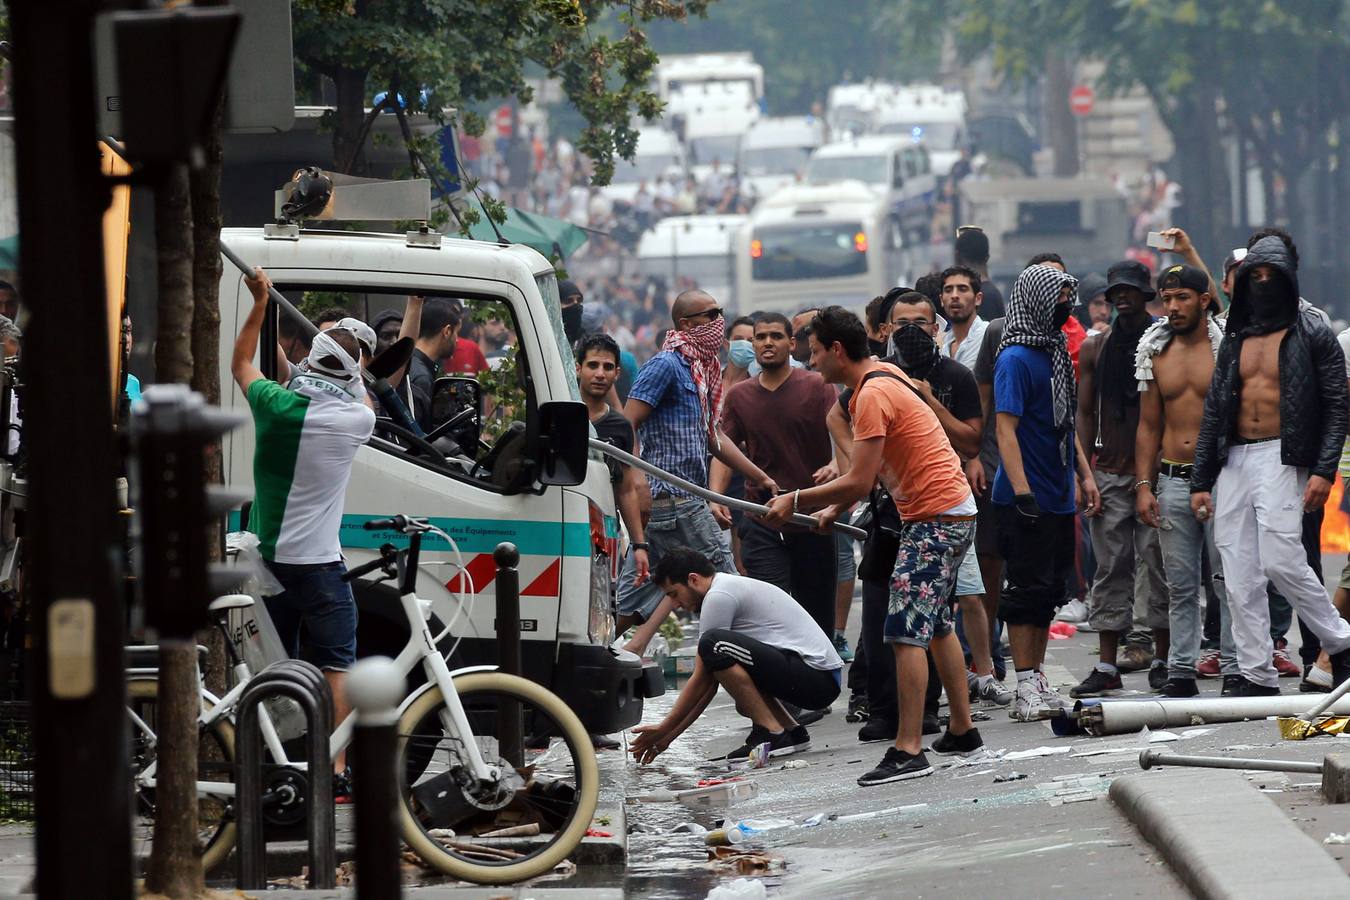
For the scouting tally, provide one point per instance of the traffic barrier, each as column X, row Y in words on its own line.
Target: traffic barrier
column 374, row 688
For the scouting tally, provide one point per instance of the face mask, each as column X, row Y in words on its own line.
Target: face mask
column 571, row 319
column 1269, row 300
column 1060, row 316
column 877, row 348
column 915, row 347
column 741, row 354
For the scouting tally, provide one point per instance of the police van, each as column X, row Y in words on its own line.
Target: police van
column 527, row 479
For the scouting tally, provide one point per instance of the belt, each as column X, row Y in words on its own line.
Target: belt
column 667, row 500
column 1239, row 441
column 1177, row 470
column 941, row 519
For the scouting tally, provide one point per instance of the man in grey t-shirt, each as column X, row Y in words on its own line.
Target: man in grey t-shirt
column 755, row 641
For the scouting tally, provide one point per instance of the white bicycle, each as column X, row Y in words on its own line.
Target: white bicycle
column 455, row 786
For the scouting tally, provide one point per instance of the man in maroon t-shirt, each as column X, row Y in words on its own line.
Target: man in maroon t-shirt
column 778, row 417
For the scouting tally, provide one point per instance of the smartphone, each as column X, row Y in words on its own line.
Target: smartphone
column 1156, row 239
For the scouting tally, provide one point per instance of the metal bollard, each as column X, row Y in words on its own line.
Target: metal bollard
column 1149, row 758
column 374, row 689
column 305, row 684
column 510, row 728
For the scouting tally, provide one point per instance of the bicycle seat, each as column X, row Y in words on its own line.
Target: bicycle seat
column 230, row 601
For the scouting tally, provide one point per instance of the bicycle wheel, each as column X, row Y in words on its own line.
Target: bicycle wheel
column 446, row 821
column 215, row 762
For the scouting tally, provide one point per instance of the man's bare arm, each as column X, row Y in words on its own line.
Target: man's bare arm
column 246, row 344
column 1087, row 391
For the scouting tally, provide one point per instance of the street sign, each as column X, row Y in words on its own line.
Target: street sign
column 1081, row 99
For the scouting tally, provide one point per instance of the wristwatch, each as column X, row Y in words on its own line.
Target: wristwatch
column 639, row 545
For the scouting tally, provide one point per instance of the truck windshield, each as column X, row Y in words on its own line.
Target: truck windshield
column 548, row 289
column 825, row 250
column 643, row 168
column 703, row 150
column 867, row 169
column 938, row 135
column 774, row 160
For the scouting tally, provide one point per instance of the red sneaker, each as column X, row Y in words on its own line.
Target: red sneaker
column 1283, row 664
column 1208, row 667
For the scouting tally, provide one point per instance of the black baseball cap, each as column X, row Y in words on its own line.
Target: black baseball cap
column 1129, row 273
column 1183, row 276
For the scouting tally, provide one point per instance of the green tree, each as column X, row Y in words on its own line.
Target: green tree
column 441, row 54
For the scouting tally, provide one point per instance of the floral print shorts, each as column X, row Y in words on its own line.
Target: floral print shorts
column 924, row 580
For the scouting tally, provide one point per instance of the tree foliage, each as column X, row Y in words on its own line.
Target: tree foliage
column 442, row 54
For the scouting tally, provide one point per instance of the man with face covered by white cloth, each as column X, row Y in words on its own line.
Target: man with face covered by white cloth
column 308, row 432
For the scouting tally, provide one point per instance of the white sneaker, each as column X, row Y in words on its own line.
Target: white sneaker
column 1028, row 706
column 1074, row 611
column 994, row 692
column 1049, row 696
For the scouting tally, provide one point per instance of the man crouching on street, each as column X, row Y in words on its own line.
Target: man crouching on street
column 755, row 641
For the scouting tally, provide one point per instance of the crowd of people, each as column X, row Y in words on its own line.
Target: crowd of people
column 1146, row 456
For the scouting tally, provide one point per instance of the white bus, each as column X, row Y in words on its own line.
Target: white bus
column 701, row 248
column 816, row 245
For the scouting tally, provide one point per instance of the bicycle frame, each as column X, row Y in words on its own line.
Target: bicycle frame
column 421, row 646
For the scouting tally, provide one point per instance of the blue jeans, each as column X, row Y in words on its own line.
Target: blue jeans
column 315, row 596
column 687, row 523
column 1184, row 542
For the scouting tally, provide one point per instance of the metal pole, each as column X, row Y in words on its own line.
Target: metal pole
column 78, row 616
column 1128, row 716
column 374, row 689
column 713, row 496
column 1150, row 758
column 1325, row 703
column 510, row 729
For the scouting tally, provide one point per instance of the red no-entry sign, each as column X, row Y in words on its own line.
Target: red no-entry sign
column 1081, row 99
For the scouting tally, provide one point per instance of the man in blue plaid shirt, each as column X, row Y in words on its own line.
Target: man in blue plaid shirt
column 675, row 406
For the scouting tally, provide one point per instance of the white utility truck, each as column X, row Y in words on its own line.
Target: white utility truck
column 535, row 485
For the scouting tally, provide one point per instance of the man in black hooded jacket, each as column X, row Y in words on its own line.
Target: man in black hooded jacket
column 1273, row 429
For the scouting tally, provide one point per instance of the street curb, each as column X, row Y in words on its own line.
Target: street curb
column 1223, row 838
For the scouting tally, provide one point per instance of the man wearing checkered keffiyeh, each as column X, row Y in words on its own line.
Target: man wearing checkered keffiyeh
column 1031, row 323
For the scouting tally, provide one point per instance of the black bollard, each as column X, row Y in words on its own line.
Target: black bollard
column 374, row 689
column 510, row 730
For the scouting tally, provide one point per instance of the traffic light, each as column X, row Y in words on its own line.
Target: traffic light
column 170, row 430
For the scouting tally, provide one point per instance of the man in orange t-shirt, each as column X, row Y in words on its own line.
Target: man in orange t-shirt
column 897, row 437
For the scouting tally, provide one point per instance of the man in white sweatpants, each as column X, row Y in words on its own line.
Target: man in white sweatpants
column 1269, row 444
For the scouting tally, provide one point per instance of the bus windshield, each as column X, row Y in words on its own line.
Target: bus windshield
column 867, row 169
column 722, row 148
column 824, row 250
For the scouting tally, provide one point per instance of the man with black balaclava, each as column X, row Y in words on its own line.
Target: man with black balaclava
column 1273, row 429
column 1129, row 558
column 569, row 296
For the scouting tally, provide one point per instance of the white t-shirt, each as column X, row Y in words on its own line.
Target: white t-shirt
column 768, row 614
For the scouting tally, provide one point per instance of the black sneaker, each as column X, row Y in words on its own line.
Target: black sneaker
column 931, row 723
column 1096, row 684
column 780, row 744
column 1157, row 675
column 1251, row 689
column 1232, row 686
column 878, row 730
column 342, row 786
column 897, row 765
column 960, row 745
column 857, row 708
column 810, row 716
column 800, row 739
column 1179, row 687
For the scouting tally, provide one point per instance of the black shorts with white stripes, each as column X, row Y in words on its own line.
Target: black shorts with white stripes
column 776, row 672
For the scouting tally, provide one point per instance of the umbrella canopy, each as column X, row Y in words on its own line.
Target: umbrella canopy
column 539, row 232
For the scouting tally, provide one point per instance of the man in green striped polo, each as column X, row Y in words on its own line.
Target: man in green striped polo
column 308, row 432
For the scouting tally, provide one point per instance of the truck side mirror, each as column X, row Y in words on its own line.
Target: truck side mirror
column 564, row 442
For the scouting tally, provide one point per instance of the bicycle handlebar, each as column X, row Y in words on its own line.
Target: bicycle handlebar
column 386, row 557
column 396, row 523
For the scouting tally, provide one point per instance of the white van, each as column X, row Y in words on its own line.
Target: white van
column 895, row 168
column 816, row 245
column 699, row 247
column 931, row 115
column 774, row 152
column 658, row 154
column 529, row 487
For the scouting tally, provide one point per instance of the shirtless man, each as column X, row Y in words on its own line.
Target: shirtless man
column 1273, row 428
column 1174, row 365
